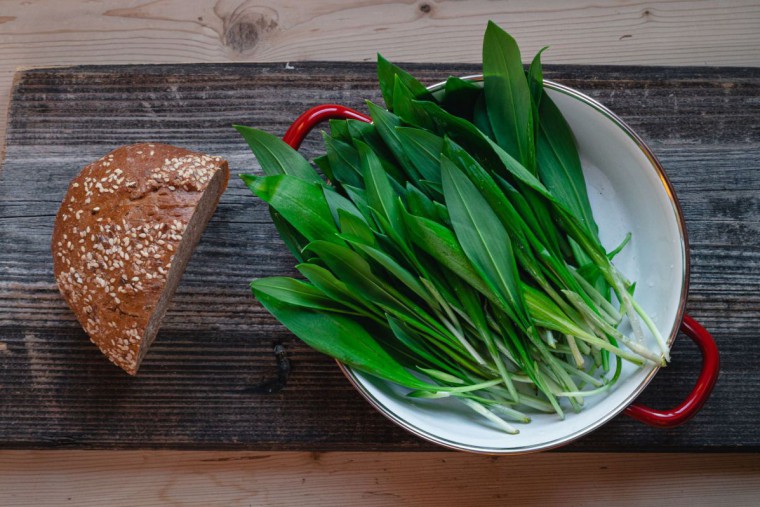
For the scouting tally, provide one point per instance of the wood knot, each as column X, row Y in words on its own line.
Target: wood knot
column 244, row 28
column 425, row 8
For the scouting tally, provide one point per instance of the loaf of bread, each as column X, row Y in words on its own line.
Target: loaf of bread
column 123, row 236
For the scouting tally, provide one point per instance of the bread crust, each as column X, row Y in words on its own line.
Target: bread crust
column 116, row 234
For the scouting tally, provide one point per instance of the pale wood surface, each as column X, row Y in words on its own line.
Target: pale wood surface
column 229, row 479
column 66, row 32
column 627, row 32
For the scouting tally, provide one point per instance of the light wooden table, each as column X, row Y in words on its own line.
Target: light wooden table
column 64, row 32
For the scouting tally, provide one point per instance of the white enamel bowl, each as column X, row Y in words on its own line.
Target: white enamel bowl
column 629, row 192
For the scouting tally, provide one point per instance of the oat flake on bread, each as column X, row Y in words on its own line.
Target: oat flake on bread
column 123, row 236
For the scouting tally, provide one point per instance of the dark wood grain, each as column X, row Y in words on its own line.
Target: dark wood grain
column 194, row 389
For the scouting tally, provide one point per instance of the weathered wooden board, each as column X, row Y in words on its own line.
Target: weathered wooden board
column 197, row 388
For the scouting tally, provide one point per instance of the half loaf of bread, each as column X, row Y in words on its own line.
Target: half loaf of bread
column 123, row 236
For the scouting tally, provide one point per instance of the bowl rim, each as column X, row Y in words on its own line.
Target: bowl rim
column 655, row 164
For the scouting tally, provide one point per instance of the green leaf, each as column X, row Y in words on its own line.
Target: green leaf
column 613, row 253
column 536, row 85
column 293, row 239
column 424, row 151
column 338, row 203
column 379, row 192
column 356, row 272
column 559, row 165
column 522, row 208
column 356, row 227
column 442, row 376
column 386, row 75
column 367, row 132
column 460, row 97
column 507, row 94
column 440, row 243
column 483, row 238
column 519, row 171
column 474, row 308
column 301, row 203
column 508, row 210
column 491, row 155
column 402, row 100
column 573, row 224
column 480, row 117
column 465, row 134
column 339, row 130
column 396, row 269
column 342, row 338
column 421, row 205
column 488, row 189
column 359, row 197
column 323, row 163
column 363, row 131
column 409, row 338
column 334, row 288
column 344, row 162
column 297, row 293
column 276, row 157
column 386, row 124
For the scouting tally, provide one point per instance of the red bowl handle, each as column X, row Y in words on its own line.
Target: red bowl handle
column 661, row 418
column 317, row 114
column 698, row 396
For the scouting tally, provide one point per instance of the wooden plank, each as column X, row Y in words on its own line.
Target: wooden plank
column 230, row 479
column 658, row 32
column 194, row 390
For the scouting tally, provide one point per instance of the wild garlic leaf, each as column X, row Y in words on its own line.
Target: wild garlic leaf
column 302, row 204
column 344, row 162
column 335, row 289
column 298, row 293
column 482, row 237
column 359, row 198
column 338, row 203
column 536, row 85
column 507, row 94
column 480, row 117
column 424, row 151
column 355, row 272
column 460, row 96
column 367, row 133
column 356, row 227
column 410, row 339
column 488, row 188
column 386, row 123
column 573, row 224
column 402, row 101
column 323, row 163
column 293, row 239
column 276, row 157
column 397, row 270
column 342, row 338
column 421, row 205
column 379, row 192
column 440, row 243
column 387, row 74
column 559, row 165
column 461, row 131
column 522, row 208
column 339, row 130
